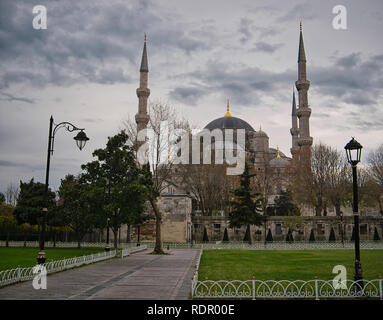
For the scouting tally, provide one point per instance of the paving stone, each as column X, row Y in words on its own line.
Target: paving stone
column 138, row 276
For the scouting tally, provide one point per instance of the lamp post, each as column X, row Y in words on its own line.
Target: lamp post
column 107, row 247
column 81, row 140
column 353, row 152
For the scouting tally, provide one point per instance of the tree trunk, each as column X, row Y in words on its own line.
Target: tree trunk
column 7, row 240
column 128, row 234
column 115, row 238
column 78, row 241
column 158, row 247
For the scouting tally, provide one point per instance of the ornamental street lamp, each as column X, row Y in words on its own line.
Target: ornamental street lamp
column 353, row 152
column 81, row 140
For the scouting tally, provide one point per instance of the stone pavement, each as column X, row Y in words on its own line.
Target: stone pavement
column 139, row 276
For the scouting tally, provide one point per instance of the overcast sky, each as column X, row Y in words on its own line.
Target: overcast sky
column 84, row 68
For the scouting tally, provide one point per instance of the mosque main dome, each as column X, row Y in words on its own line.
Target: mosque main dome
column 228, row 122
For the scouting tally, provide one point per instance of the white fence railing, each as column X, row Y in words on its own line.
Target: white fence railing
column 284, row 289
column 129, row 251
column 51, row 244
column 257, row 245
column 23, row 274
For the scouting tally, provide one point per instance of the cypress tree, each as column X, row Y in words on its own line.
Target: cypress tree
column 205, row 237
column 376, row 235
column 269, row 237
column 225, row 236
column 247, row 237
column 289, row 236
column 332, row 235
column 312, row 236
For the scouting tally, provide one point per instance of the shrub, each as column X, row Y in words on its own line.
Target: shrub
column 312, row 236
column 289, row 236
column 376, row 235
column 332, row 235
column 205, row 237
column 225, row 236
column 247, row 237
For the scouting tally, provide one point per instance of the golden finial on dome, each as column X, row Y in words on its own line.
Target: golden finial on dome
column 228, row 114
column 278, row 156
column 260, row 128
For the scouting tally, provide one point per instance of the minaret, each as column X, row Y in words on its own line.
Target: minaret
column 303, row 112
column 143, row 92
column 294, row 129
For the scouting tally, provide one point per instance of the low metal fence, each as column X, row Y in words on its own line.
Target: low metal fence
column 129, row 251
column 257, row 245
column 22, row 274
column 285, row 289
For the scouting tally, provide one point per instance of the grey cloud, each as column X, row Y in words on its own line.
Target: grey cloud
column 299, row 11
column 188, row 95
column 351, row 79
column 82, row 40
column 12, row 98
column 5, row 163
column 266, row 47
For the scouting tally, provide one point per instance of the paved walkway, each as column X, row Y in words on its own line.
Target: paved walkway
column 139, row 276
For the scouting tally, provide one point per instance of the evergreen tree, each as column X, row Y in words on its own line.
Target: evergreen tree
column 269, row 237
column 284, row 205
column 332, row 235
column 353, row 234
column 117, row 182
column 225, row 236
column 289, row 236
column 247, row 237
column 312, row 236
column 30, row 202
column 2, row 198
column 376, row 235
column 205, row 237
column 246, row 206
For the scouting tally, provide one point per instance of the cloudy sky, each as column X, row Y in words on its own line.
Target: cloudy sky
column 84, row 69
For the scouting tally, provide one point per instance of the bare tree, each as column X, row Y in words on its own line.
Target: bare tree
column 11, row 194
column 375, row 162
column 336, row 181
column 162, row 120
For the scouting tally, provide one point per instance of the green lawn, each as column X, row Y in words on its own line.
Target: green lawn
column 286, row 264
column 26, row 257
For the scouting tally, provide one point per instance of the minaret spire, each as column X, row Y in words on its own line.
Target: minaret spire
column 303, row 112
column 294, row 128
column 143, row 92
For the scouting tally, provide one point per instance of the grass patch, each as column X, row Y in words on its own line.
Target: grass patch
column 10, row 258
column 286, row 264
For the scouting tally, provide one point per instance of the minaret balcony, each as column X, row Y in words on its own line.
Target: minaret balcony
column 302, row 84
column 142, row 118
column 307, row 141
column 303, row 112
column 143, row 92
